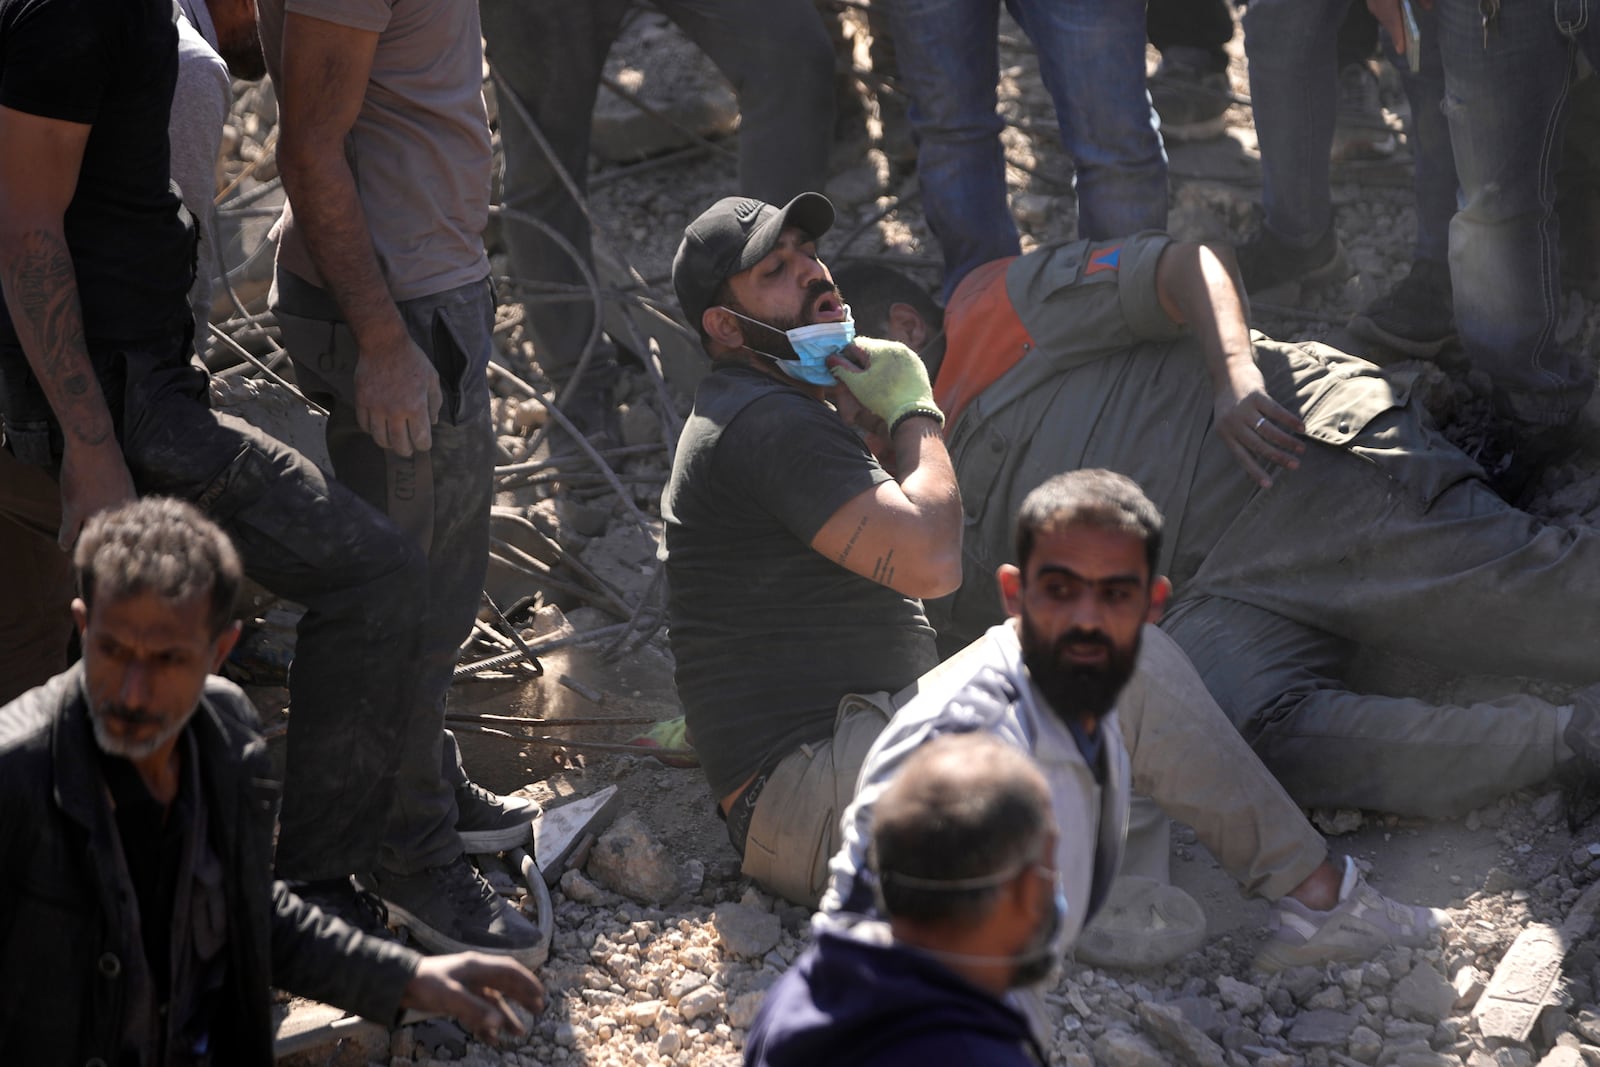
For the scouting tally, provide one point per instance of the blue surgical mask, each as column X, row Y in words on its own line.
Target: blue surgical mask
column 812, row 346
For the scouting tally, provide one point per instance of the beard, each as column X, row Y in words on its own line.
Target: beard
column 1078, row 691
column 772, row 334
column 125, row 747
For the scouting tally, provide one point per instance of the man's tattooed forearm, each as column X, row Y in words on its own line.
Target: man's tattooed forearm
column 42, row 290
column 850, row 545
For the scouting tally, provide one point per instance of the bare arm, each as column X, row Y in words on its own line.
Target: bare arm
column 1201, row 290
column 325, row 70
column 38, row 174
column 904, row 534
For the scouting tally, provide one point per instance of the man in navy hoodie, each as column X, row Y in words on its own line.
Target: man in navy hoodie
column 962, row 845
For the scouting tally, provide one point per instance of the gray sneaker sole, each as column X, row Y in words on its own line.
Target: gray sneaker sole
column 436, row 942
column 498, row 840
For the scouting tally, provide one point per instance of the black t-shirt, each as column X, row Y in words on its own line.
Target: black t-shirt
column 767, row 633
column 111, row 64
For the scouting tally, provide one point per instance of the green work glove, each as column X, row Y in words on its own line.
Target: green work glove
column 894, row 385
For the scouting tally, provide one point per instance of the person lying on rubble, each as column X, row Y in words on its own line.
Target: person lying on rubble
column 139, row 921
column 794, row 563
column 962, row 852
column 1313, row 507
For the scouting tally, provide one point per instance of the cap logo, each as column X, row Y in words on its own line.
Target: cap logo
column 747, row 209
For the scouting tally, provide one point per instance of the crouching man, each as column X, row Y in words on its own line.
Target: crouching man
column 963, row 852
column 139, row 922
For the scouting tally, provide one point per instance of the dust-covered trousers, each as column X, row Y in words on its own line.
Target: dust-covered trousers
column 1184, row 756
column 1397, row 544
column 440, row 501
column 301, row 535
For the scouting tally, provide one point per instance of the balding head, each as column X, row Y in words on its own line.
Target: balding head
column 965, row 815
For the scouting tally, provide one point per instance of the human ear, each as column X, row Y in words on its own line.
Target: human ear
column 1010, row 579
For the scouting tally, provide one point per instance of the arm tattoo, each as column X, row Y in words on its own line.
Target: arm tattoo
column 43, row 288
column 850, row 545
column 883, row 570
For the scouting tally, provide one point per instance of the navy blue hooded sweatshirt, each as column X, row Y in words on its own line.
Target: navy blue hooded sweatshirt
column 847, row 1002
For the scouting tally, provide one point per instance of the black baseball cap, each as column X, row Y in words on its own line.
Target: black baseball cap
column 733, row 235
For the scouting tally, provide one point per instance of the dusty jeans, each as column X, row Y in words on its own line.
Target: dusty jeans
column 301, row 535
column 1396, row 544
column 35, row 620
column 440, row 498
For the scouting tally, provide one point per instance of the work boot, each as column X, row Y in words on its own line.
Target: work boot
column 450, row 908
column 340, row 898
column 488, row 822
column 1359, row 132
column 1274, row 270
column 1416, row 318
column 1191, row 94
column 1581, row 774
column 1143, row 924
column 1362, row 924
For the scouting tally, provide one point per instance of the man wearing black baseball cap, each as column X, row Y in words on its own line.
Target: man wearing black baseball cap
column 795, row 558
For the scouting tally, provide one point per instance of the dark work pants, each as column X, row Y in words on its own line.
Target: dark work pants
column 440, row 498
column 303, row 536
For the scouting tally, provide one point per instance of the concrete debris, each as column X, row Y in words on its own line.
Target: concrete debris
column 747, row 932
column 627, row 859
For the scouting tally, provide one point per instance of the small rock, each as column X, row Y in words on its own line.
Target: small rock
column 1423, row 994
column 1469, row 986
column 579, row 888
column 669, row 1043
column 403, row 1043
column 1365, row 1044
column 703, row 1001
column 745, row 931
column 643, row 1013
column 1179, row 1036
column 1301, row 982
column 1336, row 822
column 1330, row 999
column 640, row 424
column 566, row 1036
column 629, row 860
column 1587, row 1026
column 1547, row 808
column 1123, row 1048
column 1241, row 995
column 685, row 984
column 1561, row 1056
column 742, row 1009
column 1322, row 1029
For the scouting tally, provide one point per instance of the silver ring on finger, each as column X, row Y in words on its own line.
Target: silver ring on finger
column 1259, row 423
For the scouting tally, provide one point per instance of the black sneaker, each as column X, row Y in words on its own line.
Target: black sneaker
column 341, row 898
column 488, row 822
column 1274, row 270
column 1191, row 94
column 1416, row 318
column 450, row 908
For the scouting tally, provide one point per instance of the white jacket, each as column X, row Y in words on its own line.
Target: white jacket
column 986, row 687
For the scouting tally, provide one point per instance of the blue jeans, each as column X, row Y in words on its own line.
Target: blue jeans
column 1506, row 95
column 1294, row 90
column 1091, row 58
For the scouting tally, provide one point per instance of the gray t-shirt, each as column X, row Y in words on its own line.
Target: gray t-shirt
column 767, row 633
column 199, row 108
column 419, row 149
